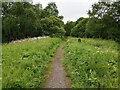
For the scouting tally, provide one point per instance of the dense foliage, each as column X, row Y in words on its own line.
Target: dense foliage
column 53, row 26
column 68, row 27
column 24, row 63
column 79, row 29
column 103, row 22
column 93, row 63
column 23, row 20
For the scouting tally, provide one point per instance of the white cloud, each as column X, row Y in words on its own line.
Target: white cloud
column 70, row 9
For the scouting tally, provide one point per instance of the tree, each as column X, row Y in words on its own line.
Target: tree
column 19, row 20
column 51, row 9
column 78, row 20
column 79, row 29
column 95, row 29
column 68, row 27
column 106, row 15
column 53, row 26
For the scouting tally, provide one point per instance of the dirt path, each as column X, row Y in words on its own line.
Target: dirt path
column 57, row 77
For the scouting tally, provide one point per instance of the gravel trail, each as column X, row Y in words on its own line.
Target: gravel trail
column 57, row 77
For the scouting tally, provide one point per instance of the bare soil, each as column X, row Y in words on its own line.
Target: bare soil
column 57, row 75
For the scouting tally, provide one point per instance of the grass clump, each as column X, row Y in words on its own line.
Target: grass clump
column 93, row 63
column 24, row 63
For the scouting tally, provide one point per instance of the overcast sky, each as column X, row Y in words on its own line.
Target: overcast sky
column 70, row 9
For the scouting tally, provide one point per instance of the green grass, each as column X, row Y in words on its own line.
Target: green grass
column 24, row 64
column 93, row 63
column 0, row 67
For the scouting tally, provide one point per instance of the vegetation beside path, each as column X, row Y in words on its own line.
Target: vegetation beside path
column 24, row 63
column 93, row 63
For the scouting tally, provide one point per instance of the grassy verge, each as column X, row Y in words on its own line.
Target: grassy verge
column 24, row 63
column 93, row 63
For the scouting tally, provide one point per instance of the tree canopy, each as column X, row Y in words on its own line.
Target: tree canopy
column 24, row 19
column 104, row 17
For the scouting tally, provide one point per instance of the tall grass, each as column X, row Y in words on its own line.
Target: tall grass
column 24, row 63
column 93, row 63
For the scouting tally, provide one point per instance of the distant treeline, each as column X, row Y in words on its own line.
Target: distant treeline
column 22, row 20
column 103, row 22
